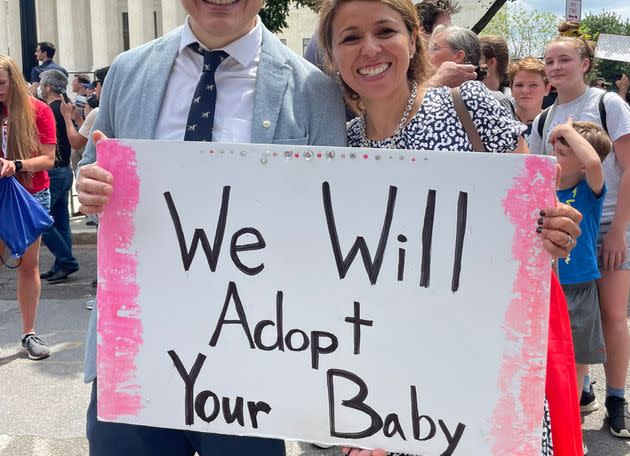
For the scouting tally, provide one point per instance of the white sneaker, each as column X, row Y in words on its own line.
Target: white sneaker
column 90, row 303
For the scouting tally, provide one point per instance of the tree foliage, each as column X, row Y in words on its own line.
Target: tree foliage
column 275, row 12
column 526, row 31
column 607, row 22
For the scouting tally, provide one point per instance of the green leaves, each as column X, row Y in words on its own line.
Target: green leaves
column 275, row 12
column 527, row 32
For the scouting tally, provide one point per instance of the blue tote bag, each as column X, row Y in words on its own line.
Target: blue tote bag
column 22, row 217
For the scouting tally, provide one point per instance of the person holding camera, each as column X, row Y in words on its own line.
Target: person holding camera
column 58, row 238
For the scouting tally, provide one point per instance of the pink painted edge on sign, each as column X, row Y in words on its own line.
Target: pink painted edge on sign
column 517, row 419
column 119, row 326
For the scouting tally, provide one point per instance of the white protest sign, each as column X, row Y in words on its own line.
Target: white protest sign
column 376, row 298
column 613, row 47
column 573, row 10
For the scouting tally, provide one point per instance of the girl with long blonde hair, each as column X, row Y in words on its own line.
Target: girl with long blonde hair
column 27, row 150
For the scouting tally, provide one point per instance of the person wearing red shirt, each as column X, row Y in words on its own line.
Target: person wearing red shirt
column 27, row 150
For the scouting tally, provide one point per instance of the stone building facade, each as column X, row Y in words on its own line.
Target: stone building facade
column 88, row 34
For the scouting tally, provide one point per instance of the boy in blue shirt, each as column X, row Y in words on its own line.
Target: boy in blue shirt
column 580, row 148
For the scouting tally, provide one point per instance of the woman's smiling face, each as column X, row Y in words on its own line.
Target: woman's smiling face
column 371, row 48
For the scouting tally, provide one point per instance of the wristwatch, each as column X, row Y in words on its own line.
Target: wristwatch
column 18, row 165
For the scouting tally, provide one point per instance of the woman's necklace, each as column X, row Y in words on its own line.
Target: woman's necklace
column 391, row 141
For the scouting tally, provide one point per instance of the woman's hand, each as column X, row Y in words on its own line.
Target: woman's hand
column 349, row 451
column 94, row 185
column 559, row 227
column 613, row 249
column 7, row 168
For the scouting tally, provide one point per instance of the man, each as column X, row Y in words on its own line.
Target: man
column 78, row 139
column 152, row 92
column 79, row 84
column 44, row 53
column 58, row 238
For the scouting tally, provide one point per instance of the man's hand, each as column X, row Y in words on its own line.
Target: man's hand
column 452, row 74
column 622, row 83
column 94, row 184
column 66, row 110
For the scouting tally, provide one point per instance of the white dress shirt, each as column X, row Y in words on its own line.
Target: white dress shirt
column 235, row 80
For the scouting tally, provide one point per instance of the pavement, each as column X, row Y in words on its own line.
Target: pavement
column 43, row 403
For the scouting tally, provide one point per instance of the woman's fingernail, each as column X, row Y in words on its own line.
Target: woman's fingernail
column 540, row 221
column 539, row 229
column 543, row 213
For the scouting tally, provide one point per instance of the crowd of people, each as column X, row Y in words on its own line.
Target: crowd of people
column 407, row 75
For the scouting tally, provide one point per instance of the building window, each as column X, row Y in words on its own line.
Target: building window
column 155, row 24
column 305, row 42
column 125, row 30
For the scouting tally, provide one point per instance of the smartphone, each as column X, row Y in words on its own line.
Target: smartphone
column 65, row 96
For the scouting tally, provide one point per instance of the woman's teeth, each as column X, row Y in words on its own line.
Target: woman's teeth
column 374, row 71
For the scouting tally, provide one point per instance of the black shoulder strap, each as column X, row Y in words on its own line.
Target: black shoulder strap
column 602, row 111
column 542, row 119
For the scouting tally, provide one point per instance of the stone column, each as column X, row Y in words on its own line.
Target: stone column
column 46, row 11
column 106, row 32
column 141, row 25
column 4, row 23
column 14, row 31
column 173, row 15
column 73, row 28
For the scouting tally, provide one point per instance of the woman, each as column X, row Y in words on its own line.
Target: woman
column 495, row 54
column 27, row 150
column 568, row 61
column 529, row 87
column 375, row 49
column 373, row 61
column 454, row 44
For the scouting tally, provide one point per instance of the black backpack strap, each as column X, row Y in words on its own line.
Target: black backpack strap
column 601, row 106
column 542, row 119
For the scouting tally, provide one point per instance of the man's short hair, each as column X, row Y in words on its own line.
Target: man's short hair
column 430, row 10
column 55, row 79
column 100, row 74
column 48, row 48
column 598, row 82
column 83, row 79
column 529, row 64
column 596, row 137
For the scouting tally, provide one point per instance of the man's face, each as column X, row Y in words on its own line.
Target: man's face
column 98, row 86
column 219, row 22
column 76, row 85
column 39, row 54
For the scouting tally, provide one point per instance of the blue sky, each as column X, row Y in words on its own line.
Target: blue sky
column 593, row 6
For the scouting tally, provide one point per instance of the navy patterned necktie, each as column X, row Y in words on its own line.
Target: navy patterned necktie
column 201, row 115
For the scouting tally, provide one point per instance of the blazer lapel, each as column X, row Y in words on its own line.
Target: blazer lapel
column 157, row 71
column 271, row 83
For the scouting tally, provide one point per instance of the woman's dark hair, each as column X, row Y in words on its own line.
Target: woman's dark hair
column 430, row 10
column 494, row 46
column 92, row 101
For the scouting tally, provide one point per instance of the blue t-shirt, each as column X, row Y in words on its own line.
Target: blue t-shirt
column 581, row 264
column 47, row 65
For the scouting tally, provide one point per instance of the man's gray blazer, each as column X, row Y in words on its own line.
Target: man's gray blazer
column 297, row 103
